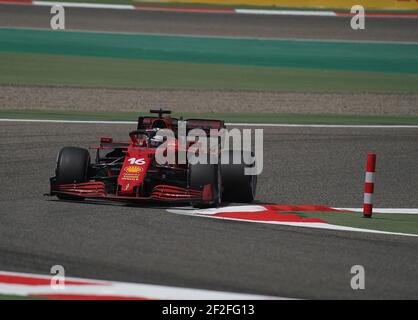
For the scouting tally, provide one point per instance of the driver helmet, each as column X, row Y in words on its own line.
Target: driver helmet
column 157, row 140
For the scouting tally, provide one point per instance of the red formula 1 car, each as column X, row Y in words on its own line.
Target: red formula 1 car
column 129, row 172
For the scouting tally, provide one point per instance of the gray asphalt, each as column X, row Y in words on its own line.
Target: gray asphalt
column 150, row 245
column 381, row 29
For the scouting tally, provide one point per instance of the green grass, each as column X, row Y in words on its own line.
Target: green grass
column 403, row 223
column 44, row 57
column 244, row 52
column 228, row 117
column 12, row 297
column 44, row 69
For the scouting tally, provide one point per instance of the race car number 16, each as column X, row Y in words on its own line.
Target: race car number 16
column 139, row 161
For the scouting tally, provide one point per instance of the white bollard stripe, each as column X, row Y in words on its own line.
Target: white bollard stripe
column 368, row 198
column 369, row 177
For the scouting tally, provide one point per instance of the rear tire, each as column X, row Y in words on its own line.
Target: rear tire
column 203, row 174
column 72, row 167
column 238, row 187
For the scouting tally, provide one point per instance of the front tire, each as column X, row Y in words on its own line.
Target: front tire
column 203, row 174
column 72, row 167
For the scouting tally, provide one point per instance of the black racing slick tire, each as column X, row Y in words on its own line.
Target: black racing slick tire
column 202, row 174
column 72, row 167
column 238, row 187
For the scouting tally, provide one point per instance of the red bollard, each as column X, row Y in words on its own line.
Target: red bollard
column 369, row 185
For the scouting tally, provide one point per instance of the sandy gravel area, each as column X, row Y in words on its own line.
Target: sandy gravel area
column 104, row 99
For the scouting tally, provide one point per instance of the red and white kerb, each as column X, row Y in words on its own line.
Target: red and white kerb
column 369, row 185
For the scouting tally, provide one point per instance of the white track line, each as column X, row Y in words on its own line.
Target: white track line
column 324, row 125
column 287, row 12
column 69, row 121
column 384, row 210
column 317, row 13
column 228, row 124
column 314, row 225
column 84, row 5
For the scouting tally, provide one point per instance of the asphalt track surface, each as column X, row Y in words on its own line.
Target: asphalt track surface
column 150, row 245
column 335, row 28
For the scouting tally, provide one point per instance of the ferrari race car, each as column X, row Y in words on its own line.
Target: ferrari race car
column 128, row 171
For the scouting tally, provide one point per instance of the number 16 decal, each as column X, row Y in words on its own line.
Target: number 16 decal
column 139, row 161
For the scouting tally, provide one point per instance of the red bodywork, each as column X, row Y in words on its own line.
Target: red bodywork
column 134, row 168
column 138, row 164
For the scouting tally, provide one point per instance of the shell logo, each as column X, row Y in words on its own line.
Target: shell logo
column 133, row 169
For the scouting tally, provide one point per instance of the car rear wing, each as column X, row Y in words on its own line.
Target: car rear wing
column 204, row 124
column 145, row 123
